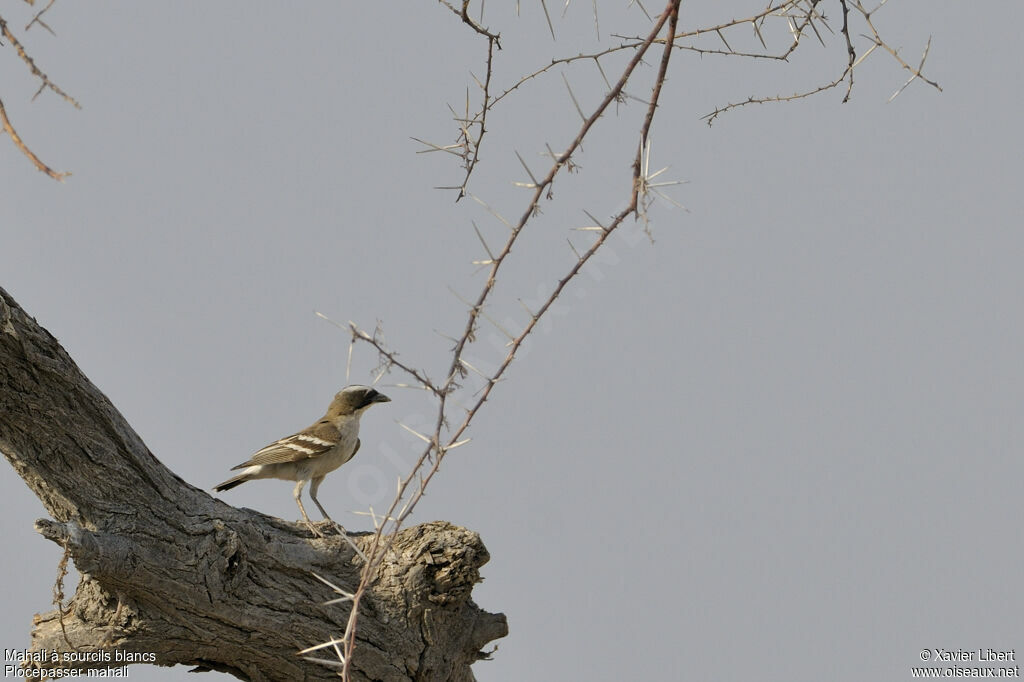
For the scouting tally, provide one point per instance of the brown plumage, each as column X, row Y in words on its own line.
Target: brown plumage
column 314, row 452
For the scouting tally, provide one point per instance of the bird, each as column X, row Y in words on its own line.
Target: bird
column 315, row 451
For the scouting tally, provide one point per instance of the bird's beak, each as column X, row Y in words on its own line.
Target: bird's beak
column 380, row 398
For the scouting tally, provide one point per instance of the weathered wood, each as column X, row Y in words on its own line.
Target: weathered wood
column 174, row 576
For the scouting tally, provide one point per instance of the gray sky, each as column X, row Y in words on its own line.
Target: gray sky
column 781, row 442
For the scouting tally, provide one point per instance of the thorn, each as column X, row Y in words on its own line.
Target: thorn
column 863, row 56
column 348, row 362
column 471, row 367
column 481, row 238
column 727, row 45
column 325, row 662
column 416, row 433
column 573, row 97
column 578, row 256
column 332, row 642
column 759, row 36
column 527, row 169
column 324, row 317
column 355, row 549
column 531, row 313
column 598, row 222
column 491, row 210
column 436, row 148
column 548, row 17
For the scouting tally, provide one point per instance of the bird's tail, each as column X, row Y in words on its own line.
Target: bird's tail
column 231, row 483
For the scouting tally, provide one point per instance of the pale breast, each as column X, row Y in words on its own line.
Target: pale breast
column 338, row 455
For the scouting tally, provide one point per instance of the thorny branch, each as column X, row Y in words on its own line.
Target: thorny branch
column 850, row 51
column 649, row 118
column 852, row 59
column 390, row 358
column 802, row 18
column 471, row 128
column 439, row 443
column 463, row 13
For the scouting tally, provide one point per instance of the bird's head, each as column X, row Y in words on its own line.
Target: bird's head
column 355, row 399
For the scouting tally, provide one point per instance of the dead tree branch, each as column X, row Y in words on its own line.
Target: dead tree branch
column 174, row 576
column 440, row 443
column 45, row 84
column 803, row 18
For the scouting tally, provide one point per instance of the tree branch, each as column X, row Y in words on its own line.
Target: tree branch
column 174, row 576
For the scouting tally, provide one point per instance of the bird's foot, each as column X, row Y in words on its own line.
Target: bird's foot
column 340, row 529
column 313, row 529
column 323, row 528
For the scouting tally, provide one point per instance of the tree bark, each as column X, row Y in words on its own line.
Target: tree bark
column 171, row 575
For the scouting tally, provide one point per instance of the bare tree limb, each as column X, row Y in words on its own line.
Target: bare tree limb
column 174, row 576
column 45, row 83
column 434, row 452
column 16, row 139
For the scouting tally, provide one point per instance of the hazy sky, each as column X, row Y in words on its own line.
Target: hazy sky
column 781, row 442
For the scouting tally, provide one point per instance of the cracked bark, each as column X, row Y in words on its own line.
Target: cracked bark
column 171, row 575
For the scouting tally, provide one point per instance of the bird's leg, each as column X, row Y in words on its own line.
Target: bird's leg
column 305, row 517
column 313, row 487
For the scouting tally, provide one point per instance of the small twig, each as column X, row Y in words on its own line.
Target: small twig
column 466, row 19
column 37, row 20
column 46, row 82
column 16, row 139
column 916, row 73
column 850, row 51
column 655, row 95
column 391, row 357
column 58, row 591
column 481, row 120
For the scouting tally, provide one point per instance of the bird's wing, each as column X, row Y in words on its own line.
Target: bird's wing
column 311, row 442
